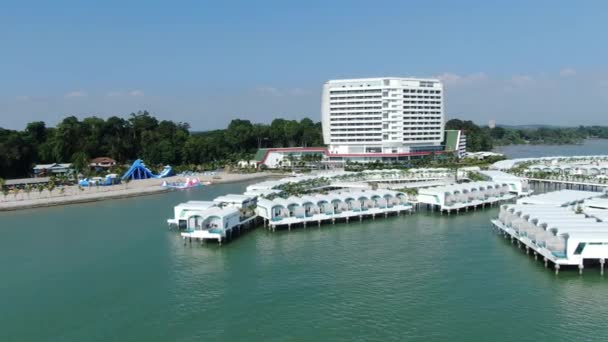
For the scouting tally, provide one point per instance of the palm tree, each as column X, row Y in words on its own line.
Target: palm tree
column 127, row 180
column 2, row 187
column 40, row 188
column 28, row 189
column 50, row 187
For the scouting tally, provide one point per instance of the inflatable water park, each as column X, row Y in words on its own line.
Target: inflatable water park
column 139, row 171
column 110, row 179
column 189, row 183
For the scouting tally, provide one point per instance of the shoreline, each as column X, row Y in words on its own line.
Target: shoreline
column 146, row 187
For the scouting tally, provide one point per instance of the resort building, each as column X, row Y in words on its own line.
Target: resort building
column 236, row 201
column 463, row 196
column 517, row 185
column 102, row 163
column 321, row 208
column 43, row 170
column 382, row 116
column 211, row 220
column 558, row 234
column 182, row 212
column 317, row 157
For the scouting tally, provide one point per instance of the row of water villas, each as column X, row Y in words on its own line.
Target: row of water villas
column 559, row 232
column 465, row 196
column 584, row 170
column 339, row 206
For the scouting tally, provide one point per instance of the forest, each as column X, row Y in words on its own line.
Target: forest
column 160, row 142
column 141, row 135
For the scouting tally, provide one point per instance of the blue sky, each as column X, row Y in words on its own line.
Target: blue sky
column 206, row 62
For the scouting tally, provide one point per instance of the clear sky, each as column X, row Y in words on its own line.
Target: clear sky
column 206, row 62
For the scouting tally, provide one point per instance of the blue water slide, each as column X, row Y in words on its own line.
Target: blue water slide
column 139, row 171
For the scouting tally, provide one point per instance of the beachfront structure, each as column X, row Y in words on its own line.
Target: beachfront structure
column 571, row 169
column 237, row 201
column 331, row 207
column 102, row 163
column 54, row 169
column 463, row 196
column 213, row 223
column 558, row 234
column 482, row 155
column 382, row 116
column 321, row 157
column 182, row 211
column 517, row 185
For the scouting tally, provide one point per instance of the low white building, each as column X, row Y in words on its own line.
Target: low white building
column 462, row 196
column 517, row 185
column 556, row 233
column 340, row 205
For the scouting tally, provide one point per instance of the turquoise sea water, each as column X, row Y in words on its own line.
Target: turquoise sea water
column 112, row 271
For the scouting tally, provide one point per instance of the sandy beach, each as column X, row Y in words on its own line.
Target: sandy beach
column 73, row 194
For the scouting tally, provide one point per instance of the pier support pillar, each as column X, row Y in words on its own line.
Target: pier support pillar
column 333, row 221
column 219, row 241
column 556, row 269
column 360, row 218
column 602, row 262
column 580, row 269
column 319, row 223
column 545, row 260
column 304, row 224
column 346, row 219
column 373, row 216
column 527, row 250
column 535, row 256
column 289, row 227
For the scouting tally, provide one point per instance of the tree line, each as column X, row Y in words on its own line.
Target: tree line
column 162, row 142
column 141, row 135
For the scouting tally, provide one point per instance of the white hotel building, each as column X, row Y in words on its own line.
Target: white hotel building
column 382, row 117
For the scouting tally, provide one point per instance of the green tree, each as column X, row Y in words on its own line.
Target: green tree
column 51, row 186
column 80, row 162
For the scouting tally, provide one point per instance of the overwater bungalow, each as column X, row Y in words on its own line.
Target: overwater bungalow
column 214, row 223
column 234, row 200
column 182, row 210
column 561, row 198
column 458, row 197
column 558, row 234
column 331, row 207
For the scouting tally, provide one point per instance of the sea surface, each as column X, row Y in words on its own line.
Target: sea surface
column 588, row 147
column 112, row 271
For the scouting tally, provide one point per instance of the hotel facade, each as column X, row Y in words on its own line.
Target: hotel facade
column 381, row 116
column 387, row 119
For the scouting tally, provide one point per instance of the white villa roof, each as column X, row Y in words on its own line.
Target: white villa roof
column 560, row 198
column 197, row 205
column 499, row 175
column 221, row 212
column 458, row 187
column 51, row 166
column 232, row 198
